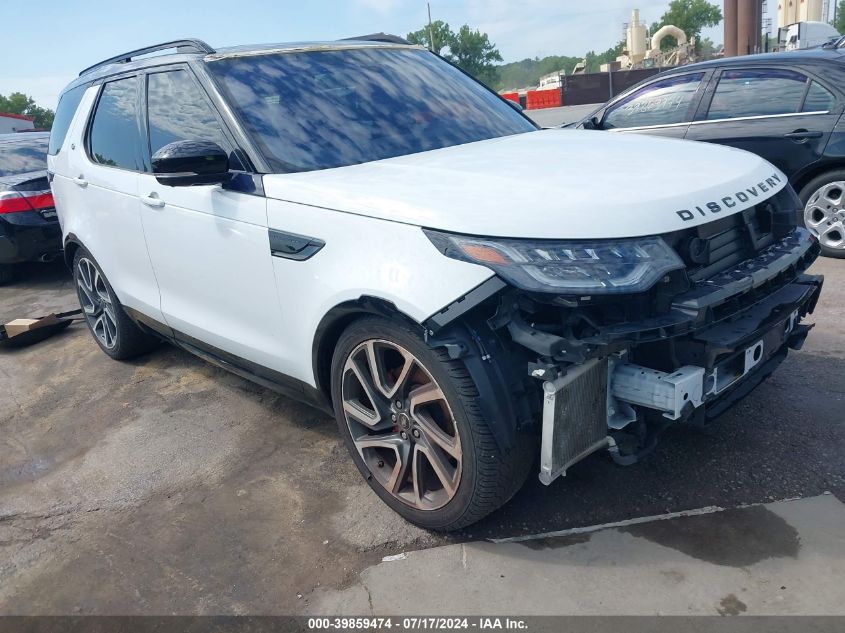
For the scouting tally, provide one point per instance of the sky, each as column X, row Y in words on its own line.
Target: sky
column 45, row 50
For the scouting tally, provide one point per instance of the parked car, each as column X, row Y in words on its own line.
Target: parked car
column 785, row 107
column 29, row 228
column 337, row 221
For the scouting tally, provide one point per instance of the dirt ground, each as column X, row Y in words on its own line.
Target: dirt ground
column 164, row 485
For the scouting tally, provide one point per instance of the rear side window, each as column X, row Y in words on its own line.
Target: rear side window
column 759, row 92
column 65, row 111
column 661, row 103
column 178, row 110
column 819, row 99
column 114, row 138
column 24, row 156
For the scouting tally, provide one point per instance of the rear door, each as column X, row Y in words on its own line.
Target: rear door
column 784, row 115
column 99, row 183
column 663, row 107
column 209, row 245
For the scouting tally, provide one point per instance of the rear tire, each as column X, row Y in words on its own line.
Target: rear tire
column 415, row 430
column 824, row 211
column 112, row 329
column 7, row 274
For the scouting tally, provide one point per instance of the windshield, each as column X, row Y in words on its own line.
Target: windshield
column 23, row 156
column 321, row 109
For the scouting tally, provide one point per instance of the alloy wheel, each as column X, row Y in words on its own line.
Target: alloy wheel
column 96, row 302
column 824, row 215
column 401, row 424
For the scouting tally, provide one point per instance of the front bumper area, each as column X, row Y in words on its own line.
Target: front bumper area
column 720, row 364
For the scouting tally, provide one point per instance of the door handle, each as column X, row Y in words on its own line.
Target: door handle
column 803, row 135
column 79, row 180
column 152, row 200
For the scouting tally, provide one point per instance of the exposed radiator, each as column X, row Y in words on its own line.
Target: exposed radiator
column 574, row 418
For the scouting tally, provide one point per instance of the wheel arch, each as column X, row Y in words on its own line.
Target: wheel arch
column 71, row 245
column 815, row 171
column 467, row 338
column 332, row 325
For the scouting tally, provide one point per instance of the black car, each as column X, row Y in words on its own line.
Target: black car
column 29, row 227
column 786, row 107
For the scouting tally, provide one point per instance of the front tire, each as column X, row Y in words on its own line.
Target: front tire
column 409, row 417
column 824, row 211
column 112, row 329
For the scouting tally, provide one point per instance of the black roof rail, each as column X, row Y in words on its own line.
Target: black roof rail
column 378, row 37
column 183, row 46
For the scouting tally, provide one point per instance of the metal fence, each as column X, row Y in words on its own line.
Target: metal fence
column 599, row 87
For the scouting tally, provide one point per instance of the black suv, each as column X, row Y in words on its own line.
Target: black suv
column 785, row 107
column 29, row 227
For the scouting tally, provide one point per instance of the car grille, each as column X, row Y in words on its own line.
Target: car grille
column 723, row 244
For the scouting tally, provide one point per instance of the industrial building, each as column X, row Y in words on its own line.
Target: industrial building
column 792, row 11
column 14, row 123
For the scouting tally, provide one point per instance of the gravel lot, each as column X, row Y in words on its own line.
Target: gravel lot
column 165, row 485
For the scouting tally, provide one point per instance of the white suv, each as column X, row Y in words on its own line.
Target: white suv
column 361, row 225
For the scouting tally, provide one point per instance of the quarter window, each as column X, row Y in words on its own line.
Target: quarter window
column 763, row 92
column 115, row 140
column 663, row 102
column 177, row 110
column 819, row 99
column 68, row 103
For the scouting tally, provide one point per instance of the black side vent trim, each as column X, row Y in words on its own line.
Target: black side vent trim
column 293, row 246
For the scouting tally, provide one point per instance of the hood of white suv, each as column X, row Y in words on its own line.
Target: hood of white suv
column 545, row 184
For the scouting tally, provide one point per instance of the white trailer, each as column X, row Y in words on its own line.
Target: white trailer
column 805, row 35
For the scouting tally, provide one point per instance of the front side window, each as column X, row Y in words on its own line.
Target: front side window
column 758, row 92
column 24, row 156
column 663, row 102
column 312, row 110
column 114, row 138
column 177, row 110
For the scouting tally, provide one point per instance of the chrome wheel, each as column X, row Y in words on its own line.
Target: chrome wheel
column 96, row 303
column 401, row 424
column 824, row 215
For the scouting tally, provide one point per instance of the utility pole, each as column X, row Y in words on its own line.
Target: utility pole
column 431, row 45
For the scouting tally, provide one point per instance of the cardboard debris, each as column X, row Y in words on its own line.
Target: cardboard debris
column 19, row 326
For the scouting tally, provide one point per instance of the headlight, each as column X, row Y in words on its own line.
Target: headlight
column 576, row 267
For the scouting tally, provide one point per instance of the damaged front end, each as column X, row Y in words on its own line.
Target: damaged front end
column 673, row 328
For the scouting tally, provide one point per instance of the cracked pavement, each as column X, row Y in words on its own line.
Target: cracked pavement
column 165, row 485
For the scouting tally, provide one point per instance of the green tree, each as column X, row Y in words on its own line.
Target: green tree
column 691, row 16
column 707, row 49
column 19, row 103
column 595, row 60
column 527, row 72
column 839, row 22
column 473, row 51
column 470, row 49
column 442, row 36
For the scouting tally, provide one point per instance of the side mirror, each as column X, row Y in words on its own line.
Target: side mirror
column 593, row 123
column 188, row 163
column 516, row 106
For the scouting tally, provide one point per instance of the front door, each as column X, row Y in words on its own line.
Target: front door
column 209, row 246
column 663, row 107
